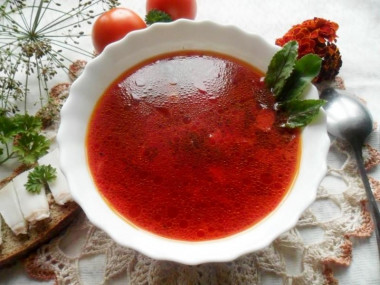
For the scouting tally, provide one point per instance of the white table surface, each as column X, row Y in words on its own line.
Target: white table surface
column 359, row 43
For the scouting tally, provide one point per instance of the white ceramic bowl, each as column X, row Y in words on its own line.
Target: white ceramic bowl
column 134, row 48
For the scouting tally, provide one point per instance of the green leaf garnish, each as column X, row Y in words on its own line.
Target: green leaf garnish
column 39, row 177
column 30, row 147
column 305, row 69
column 155, row 16
column 281, row 67
column 301, row 112
column 288, row 77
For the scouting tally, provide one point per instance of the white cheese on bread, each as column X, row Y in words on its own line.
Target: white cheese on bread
column 34, row 206
column 59, row 187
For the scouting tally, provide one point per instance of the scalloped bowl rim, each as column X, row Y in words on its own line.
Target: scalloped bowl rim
column 135, row 47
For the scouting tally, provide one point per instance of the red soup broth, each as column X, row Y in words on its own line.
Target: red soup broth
column 185, row 145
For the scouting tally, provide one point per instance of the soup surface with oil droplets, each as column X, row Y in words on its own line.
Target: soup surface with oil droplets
column 186, row 146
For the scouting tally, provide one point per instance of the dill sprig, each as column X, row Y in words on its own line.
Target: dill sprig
column 36, row 38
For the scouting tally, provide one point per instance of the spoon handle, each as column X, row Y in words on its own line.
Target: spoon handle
column 371, row 199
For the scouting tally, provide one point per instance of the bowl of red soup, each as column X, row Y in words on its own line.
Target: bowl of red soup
column 171, row 144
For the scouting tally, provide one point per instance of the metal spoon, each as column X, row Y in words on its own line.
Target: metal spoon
column 349, row 119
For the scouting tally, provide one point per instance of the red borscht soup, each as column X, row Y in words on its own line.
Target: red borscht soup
column 186, row 146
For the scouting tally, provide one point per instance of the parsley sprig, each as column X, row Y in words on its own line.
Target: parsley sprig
column 288, row 78
column 39, row 177
column 20, row 138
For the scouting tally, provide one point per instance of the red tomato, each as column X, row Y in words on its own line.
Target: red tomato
column 175, row 8
column 114, row 25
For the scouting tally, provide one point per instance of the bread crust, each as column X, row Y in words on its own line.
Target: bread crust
column 14, row 247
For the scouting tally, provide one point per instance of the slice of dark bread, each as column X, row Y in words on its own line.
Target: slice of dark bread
column 15, row 247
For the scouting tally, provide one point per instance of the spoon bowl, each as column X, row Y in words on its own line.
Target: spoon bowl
column 349, row 119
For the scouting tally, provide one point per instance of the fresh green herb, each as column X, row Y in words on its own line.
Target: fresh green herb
column 39, row 177
column 27, row 124
column 281, row 67
column 30, row 147
column 20, row 138
column 155, row 16
column 305, row 69
column 288, row 78
column 8, row 129
column 301, row 112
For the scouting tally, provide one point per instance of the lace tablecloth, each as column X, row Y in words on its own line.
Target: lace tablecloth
column 331, row 242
